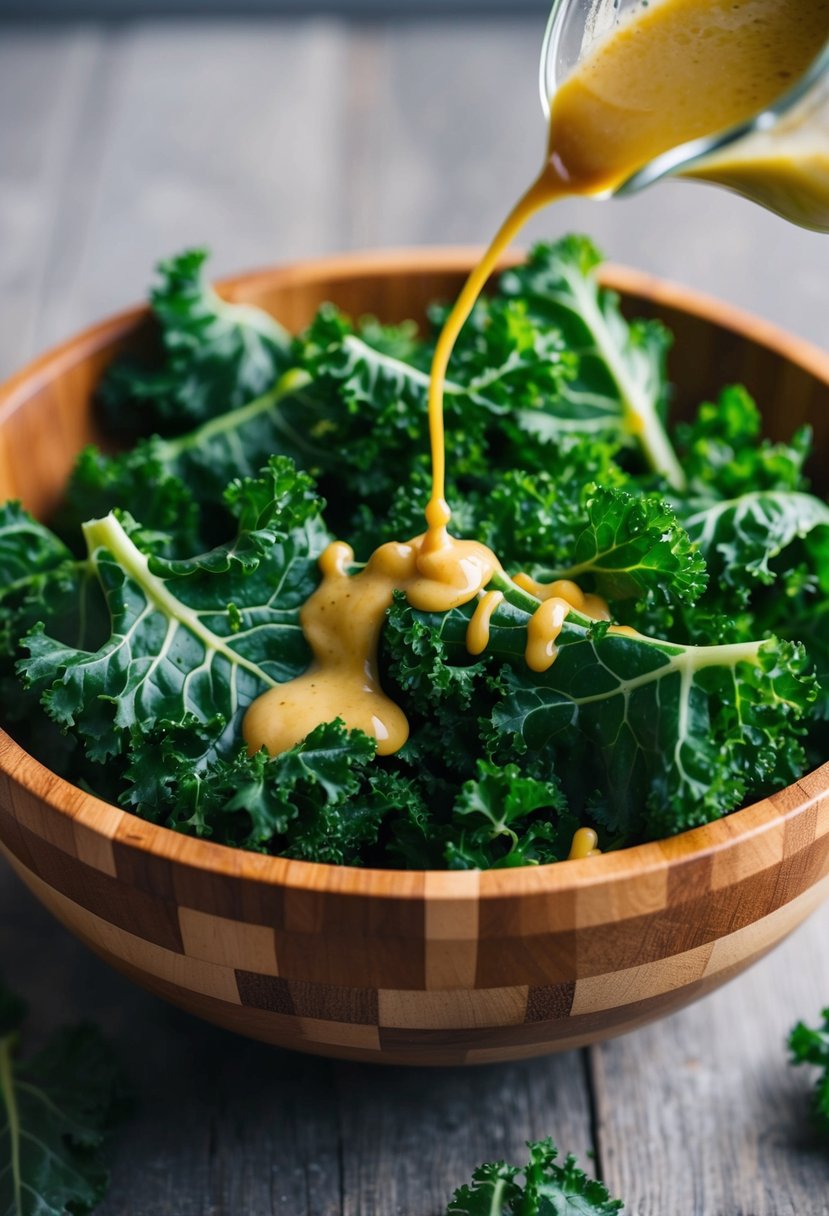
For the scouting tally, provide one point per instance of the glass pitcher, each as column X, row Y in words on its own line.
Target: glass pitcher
column 778, row 158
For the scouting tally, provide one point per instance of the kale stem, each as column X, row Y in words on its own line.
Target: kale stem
column 10, row 1102
column 514, row 594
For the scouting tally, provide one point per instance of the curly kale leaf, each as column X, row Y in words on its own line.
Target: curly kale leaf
column 172, row 478
column 805, row 619
column 326, row 799
column 56, row 1110
column 724, row 456
column 502, row 819
column 741, row 537
column 672, row 737
column 620, row 388
column 41, row 583
column 200, row 638
column 508, row 362
column 40, row 577
column 100, row 483
column 651, row 737
column 217, row 356
column 548, row 1189
column 279, row 501
column 811, row 1047
column 633, row 546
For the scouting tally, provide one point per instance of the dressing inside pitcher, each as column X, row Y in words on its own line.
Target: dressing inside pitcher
column 730, row 91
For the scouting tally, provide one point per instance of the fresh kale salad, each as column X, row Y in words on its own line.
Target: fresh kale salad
column 164, row 595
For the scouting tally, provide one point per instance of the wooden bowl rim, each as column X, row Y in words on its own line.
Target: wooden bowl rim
column 111, row 822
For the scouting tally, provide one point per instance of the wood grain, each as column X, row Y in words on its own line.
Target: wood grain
column 225, row 1125
column 704, row 1104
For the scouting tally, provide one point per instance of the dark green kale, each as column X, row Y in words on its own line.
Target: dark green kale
column 620, row 391
column 646, row 737
column 540, row 1188
column 811, row 1047
column 188, row 640
column 217, row 356
column 56, row 1111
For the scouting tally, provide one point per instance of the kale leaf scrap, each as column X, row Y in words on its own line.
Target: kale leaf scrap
column 547, row 1189
column 811, row 1046
column 56, row 1111
column 165, row 595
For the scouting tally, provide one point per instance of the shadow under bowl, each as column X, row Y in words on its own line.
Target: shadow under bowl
column 414, row 967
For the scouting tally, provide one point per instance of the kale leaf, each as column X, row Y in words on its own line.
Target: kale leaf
column 193, row 639
column 740, row 538
column 620, row 390
column 648, row 736
column 503, row 819
column 218, row 356
column 56, row 1110
column 633, row 546
column 548, row 1189
column 724, row 455
column 811, row 1046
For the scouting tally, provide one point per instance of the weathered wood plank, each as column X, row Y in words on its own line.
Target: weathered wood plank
column 46, row 79
column 222, row 1125
column 219, row 133
column 701, row 1113
column 227, row 1126
column 411, row 1137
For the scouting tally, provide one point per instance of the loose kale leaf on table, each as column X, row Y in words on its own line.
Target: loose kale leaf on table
column 56, row 1110
column 548, row 1189
column 811, row 1046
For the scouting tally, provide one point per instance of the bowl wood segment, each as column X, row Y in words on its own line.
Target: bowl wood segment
column 420, row 967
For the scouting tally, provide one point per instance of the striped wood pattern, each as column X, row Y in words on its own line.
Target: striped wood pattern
column 414, row 967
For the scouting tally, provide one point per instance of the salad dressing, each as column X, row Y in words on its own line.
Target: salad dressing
column 585, row 844
column 477, row 633
column 674, row 71
column 342, row 621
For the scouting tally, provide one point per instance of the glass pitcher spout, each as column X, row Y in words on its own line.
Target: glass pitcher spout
column 777, row 156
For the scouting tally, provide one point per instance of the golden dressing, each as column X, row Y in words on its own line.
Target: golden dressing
column 585, row 844
column 675, row 70
column 787, row 170
column 341, row 622
column 477, row 633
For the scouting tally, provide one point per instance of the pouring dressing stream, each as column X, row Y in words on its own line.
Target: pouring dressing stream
column 668, row 74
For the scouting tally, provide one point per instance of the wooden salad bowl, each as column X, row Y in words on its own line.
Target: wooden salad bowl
column 415, row 967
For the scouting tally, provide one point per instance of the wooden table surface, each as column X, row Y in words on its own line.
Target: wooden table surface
column 276, row 140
